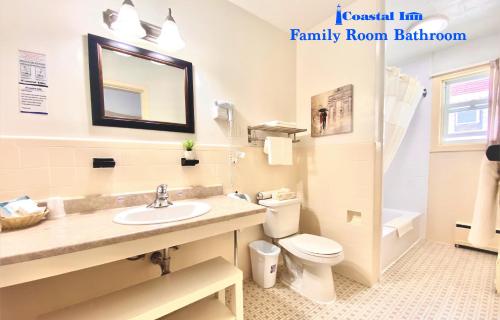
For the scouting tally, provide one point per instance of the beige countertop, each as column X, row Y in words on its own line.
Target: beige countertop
column 77, row 232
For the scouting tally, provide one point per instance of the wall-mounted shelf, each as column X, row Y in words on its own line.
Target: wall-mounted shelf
column 103, row 163
column 291, row 132
column 189, row 163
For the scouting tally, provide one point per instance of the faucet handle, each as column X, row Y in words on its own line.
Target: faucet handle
column 162, row 189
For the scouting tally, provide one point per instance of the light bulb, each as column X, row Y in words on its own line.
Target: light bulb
column 128, row 24
column 170, row 38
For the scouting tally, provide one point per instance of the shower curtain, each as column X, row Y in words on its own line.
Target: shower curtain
column 486, row 205
column 402, row 96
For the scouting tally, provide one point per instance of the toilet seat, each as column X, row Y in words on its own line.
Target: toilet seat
column 313, row 248
column 315, row 245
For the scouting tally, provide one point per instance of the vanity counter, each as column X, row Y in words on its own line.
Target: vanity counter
column 82, row 232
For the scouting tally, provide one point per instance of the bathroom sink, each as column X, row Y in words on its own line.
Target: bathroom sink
column 176, row 212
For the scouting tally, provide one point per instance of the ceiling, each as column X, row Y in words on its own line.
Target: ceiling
column 474, row 17
column 286, row 14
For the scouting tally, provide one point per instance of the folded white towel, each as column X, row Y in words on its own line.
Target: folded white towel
column 281, row 196
column 403, row 225
column 24, row 207
column 278, row 123
column 278, row 150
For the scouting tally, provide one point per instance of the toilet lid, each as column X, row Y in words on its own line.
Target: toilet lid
column 309, row 243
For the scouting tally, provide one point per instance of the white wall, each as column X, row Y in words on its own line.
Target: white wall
column 479, row 50
column 406, row 180
column 339, row 172
column 235, row 56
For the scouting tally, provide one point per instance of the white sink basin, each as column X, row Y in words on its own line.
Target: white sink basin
column 176, row 212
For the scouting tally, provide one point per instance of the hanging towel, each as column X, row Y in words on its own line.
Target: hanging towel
column 482, row 232
column 403, row 225
column 278, row 150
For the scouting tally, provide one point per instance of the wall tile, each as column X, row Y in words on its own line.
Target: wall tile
column 61, row 156
column 10, row 155
column 67, row 169
column 337, row 178
column 34, row 157
column 10, row 179
column 34, row 177
column 62, row 176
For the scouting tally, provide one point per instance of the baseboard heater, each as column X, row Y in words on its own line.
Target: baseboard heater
column 462, row 233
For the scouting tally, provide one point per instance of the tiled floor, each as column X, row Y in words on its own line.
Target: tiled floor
column 432, row 281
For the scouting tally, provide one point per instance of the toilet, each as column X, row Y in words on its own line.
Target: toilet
column 308, row 258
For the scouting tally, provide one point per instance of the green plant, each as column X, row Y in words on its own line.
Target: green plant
column 188, row 144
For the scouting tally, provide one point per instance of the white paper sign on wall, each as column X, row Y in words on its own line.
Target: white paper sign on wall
column 33, row 84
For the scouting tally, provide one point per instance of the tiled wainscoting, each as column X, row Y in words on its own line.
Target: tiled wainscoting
column 50, row 167
column 338, row 178
column 45, row 167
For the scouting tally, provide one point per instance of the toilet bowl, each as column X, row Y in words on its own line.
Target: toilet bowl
column 308, row 258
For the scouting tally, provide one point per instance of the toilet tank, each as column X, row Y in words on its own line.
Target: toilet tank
column 282, row 217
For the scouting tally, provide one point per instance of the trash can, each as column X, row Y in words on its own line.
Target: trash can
column 264, row 258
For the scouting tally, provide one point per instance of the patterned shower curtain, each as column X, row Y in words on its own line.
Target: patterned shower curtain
column 402, row 96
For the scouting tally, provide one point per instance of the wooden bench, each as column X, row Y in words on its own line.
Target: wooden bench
column 188, row 290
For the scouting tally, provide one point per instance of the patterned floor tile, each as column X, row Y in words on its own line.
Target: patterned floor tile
column 432, row 281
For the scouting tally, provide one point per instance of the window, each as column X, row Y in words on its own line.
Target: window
column 465, row 109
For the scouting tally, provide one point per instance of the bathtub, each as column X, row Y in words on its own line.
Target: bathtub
column 394, row 247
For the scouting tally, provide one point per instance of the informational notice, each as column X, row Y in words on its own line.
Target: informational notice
column 33, row 85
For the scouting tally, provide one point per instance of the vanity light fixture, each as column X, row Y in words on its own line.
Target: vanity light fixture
column 127, row 23
column 432, row 24
column 170, row 37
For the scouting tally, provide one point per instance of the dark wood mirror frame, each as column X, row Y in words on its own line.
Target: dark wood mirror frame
column 96, row 44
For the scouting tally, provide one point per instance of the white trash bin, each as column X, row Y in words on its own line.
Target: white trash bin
column 264, row 257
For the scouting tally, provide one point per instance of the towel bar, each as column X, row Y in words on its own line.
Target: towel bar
column 291, row 132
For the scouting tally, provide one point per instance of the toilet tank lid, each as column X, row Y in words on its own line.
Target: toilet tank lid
column 276, row 203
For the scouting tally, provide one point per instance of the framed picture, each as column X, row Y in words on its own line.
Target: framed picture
column 331, row 112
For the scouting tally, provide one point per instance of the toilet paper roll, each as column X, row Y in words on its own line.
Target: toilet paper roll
column 269, row 194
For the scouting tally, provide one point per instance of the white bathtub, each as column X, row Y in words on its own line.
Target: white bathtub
column 393, row 246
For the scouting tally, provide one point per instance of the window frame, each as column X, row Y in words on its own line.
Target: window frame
column 438, row 111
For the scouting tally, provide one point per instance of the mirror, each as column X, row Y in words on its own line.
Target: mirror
column 136, row 88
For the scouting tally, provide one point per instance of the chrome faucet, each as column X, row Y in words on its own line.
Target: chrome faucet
column 161, row 200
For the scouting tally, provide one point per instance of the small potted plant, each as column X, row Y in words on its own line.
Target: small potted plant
column 188, row 149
